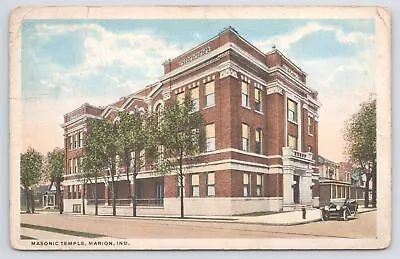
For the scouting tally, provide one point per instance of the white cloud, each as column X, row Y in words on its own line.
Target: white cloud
column 138, row 54
column 284, row 42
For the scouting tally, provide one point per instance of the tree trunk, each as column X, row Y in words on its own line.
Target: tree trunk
column 114, row 205
column 374, row 185
column 133, row 193
column 181, row 183
column 59, row 198
column 366, row 192
column 32, row 198
column 83, row 198
column 26, row 192
column 96, row 199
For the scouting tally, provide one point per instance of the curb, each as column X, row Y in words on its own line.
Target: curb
column 366, row 211
column 280, row 224
column 233, row 220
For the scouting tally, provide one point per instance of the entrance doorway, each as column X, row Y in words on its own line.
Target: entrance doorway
column 296, row 189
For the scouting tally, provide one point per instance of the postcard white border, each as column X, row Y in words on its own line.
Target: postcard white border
column 383, row 83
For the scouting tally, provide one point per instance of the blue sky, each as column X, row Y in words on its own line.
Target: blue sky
column 68, row 62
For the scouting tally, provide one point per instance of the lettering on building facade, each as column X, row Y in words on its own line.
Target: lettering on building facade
column 194, row 56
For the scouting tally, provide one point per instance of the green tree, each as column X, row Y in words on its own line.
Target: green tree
column 31, row 173
column 134, row 138
column 102, row 146
column 93, row 167
column 180, row 142
column 54, row 167
column 360, row 135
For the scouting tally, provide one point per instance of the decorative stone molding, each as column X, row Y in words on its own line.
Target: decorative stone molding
column 274, row 89
column 257, row 85
column 228, row 72
column 290, row 71
column 245, row 78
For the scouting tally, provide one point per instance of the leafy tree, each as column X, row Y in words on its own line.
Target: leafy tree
column 101, row 145
column 54, row 167
column 92, row 167
column 360, row 135
column 31, row 173
column 180, row 142
column 134, row 137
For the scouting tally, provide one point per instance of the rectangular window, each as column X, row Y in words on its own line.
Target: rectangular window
column 210, row 94
column 245, row 94
column 76, row 141
column 194, row 95
column 210, row 137
column 180, row 98
column 78, row 191
column 210, row 183
column 292, row 142
column 70, row 166
column 310, row 126
column 259, row 141
column 258, row 99
column 246, row 184
column 259, row 184
column 292, row 110
column 245, row 137
column 195, row 185
column 81, row 139
column 75, row 165
column 73, row 192
column 70, row 142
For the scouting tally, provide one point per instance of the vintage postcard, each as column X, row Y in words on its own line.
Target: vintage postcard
column 200, row 127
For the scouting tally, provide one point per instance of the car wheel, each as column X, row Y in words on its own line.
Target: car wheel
column 355, row 214
column 345, row 216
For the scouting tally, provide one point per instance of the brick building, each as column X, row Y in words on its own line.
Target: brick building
column 261, row 124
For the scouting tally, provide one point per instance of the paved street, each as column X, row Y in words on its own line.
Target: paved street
column 363, row 226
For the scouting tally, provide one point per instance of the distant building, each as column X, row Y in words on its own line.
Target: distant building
column 261, row 126
column 336, row 181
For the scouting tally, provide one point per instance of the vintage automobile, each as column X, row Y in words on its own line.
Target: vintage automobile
column 340, row 209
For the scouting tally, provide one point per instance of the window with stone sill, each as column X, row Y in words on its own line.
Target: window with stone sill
column 195, row 185
column 194, row 95
column 245, row 94
column 310, row 126
column 210, row 184
column 70, row 166
column 180, row 98
column 210, row 94
column 246, row 184
column 210, row 137
column 259, row 141
column 70, row 142
column 259, row 185
column 81, row 139
column 245, row 137
column 258, row 100
column 76, row 141
column 292, row 110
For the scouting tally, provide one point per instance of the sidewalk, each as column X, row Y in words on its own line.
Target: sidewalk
column 286, row 218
